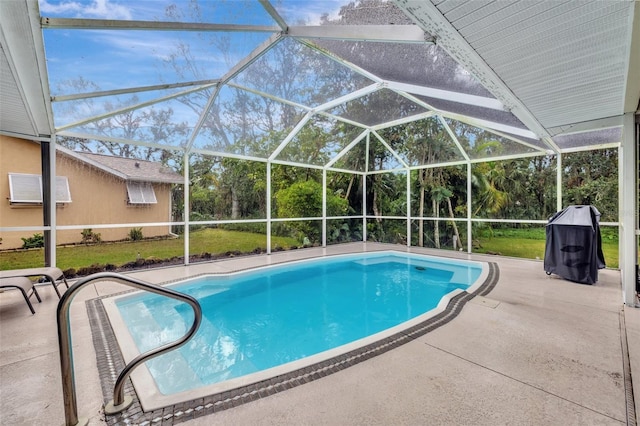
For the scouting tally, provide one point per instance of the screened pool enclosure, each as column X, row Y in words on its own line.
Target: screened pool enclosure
column 315, row 123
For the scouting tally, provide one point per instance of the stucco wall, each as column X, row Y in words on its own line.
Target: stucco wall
column 97, row 198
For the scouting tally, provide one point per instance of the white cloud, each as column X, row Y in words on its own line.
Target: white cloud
column 102, row 9
column 310, row 13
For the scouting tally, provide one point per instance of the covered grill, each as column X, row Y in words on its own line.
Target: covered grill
column 573, row 244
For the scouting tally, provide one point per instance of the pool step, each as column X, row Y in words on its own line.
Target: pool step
column 171, row 368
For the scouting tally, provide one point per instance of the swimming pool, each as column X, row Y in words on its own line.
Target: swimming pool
column 263, row 322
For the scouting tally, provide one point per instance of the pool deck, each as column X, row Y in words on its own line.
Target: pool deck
column 536, row 350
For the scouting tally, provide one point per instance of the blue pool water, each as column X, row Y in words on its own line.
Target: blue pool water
column 263, row 318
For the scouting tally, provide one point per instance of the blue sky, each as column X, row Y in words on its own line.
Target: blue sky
column 123, row 58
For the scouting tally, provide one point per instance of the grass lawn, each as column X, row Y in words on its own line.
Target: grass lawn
column 530, row 244
column 524, row 243
column 534, row 249
column 214, row 241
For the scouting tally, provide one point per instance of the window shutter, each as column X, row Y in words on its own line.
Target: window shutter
column 141, row 193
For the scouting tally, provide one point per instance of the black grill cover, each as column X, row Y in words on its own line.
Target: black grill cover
column 574, row 246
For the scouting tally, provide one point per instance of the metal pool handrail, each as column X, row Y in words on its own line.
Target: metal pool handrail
column 120, row 401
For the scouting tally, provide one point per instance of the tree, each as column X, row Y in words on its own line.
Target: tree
column 427, row 142
column 304, row 199
column 592, row 178
column 242, row 184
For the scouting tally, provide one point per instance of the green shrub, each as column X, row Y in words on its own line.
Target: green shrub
column 37, row 241
column 135, row 234
column 88, row 236
column 304, row 199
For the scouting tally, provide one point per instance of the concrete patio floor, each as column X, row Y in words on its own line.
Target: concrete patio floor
column 536, row 350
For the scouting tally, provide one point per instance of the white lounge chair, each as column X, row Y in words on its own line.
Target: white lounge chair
column 23, row 284
column 53, row 275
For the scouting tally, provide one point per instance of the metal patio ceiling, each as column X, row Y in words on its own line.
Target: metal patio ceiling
column 573, row 65
column 559, row 67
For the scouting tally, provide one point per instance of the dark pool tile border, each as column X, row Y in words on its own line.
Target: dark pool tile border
column 110, row 363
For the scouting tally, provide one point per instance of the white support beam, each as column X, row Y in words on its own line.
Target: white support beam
column 263, row 48
column 80, row 226
column 507, row 157
column 294, row 164
column 186, row 210
column 492, row 126
column 324, row 208
column 627, row 209
column 587, row 126
column 447, row 95
column 274, row 14
column 269, row 96
column 349, row 97
column 391, row 150
column 386, row 171
column 24, row 228
column 535, row 222
column 131, row 25
column 211, row 153
column 90, row 136
column 559, row 171
column 378, row 33
column 438, row 165
column 201, row 119
column 53, row 219
column 127, row 109
column 203, row 84
column 609, row 145
column 347, row 148
column 343, row 120
column 351, row 172
column 268, row 195
column 404, row 120
column 408, row 201
column 364, row 191
column 291, row 135
column 469, row 207
column 453, row 136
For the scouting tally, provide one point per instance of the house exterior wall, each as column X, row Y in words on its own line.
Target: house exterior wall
column 97, row 197
column 18, row 156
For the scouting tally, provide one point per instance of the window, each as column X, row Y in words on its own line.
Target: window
column 141, row 193
column 25, row 188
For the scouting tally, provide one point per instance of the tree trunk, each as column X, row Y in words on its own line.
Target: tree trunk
column 376, row 212
column 453, row 222
column 436, row 227
column 235, row 205
column 353, row 177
